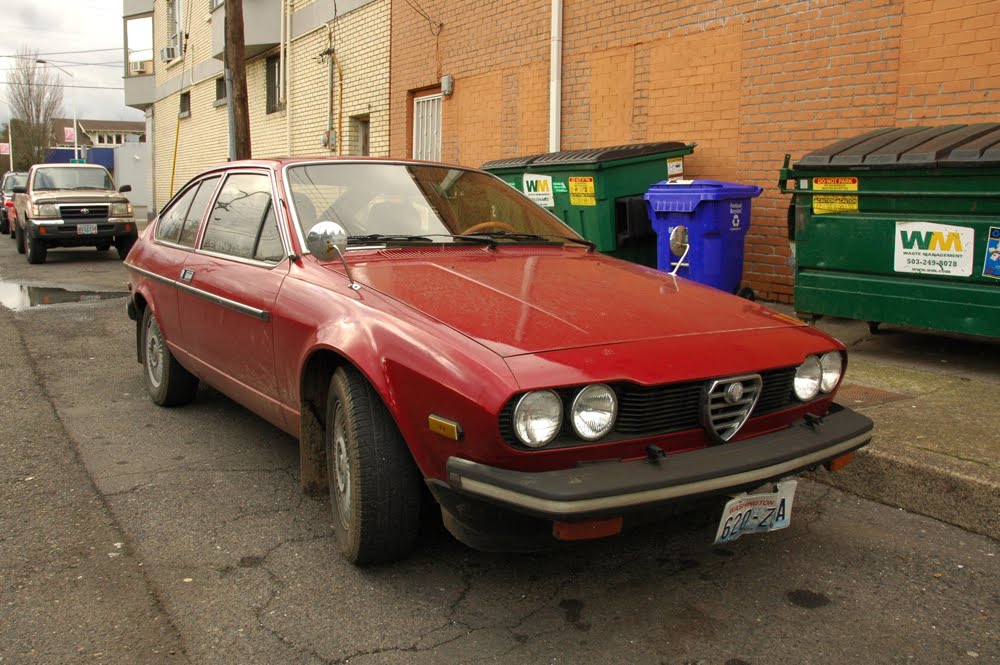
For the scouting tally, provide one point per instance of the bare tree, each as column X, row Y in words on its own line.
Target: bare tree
column 36, row 95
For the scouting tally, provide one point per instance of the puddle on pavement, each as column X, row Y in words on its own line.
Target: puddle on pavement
column 21, row 296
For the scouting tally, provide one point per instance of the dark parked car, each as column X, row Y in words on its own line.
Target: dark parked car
column 418, row 325
column 11, row 179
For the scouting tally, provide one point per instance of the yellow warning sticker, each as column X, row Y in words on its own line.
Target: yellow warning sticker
column 830, row 203
column 581, row 191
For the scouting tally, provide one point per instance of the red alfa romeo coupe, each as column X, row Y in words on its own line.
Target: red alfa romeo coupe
column 419, row 326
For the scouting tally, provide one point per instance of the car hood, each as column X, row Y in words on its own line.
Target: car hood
column 72, row 195
column 516, row 302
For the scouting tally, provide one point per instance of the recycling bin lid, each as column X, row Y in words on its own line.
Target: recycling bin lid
column 705, row 190
column 610, row 154
column 912, row 147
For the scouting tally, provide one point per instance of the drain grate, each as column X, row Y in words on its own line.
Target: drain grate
column 852, row 394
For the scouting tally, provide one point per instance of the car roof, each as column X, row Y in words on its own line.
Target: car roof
column 280, row 162
column 66, row 166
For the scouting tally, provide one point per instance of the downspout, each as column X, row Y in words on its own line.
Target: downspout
column 288, row 78
column 555, row 77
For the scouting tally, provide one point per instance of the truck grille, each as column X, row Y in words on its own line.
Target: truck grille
column 83, row 213
column 655, row 410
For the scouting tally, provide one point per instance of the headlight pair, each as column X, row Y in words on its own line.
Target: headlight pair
column 818, row 374
column 538, row 415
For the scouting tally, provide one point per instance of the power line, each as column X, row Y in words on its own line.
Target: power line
column 89, row 50
column 58, row 85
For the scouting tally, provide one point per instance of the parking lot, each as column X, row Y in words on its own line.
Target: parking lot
column 133, row 533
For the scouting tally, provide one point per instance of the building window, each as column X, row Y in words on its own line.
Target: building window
column 185, row 110
column 175, row 25
column 271, row 80
column 220, row 89
column 360, row 128
column 214, row 4
column 427, row 127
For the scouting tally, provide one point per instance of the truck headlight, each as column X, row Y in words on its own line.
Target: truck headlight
column 537, row 418
column 808, row 376
column 121, row 209
column 44, row 211
column 593, row 412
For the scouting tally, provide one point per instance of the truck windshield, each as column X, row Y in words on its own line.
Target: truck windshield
column 72, row 178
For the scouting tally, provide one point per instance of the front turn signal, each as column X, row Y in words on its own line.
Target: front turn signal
column 838, row 463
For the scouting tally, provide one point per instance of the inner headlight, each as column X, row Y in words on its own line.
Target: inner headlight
column 807, row 379
column 593, row 412
column 44, row 210
column 537, row 418
column 833, row 367
column 121, row 209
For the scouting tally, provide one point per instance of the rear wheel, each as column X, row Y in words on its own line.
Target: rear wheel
column 167, row 383
column 374, row 484
column 19, row 238
column 4, row 222
column 35, row 249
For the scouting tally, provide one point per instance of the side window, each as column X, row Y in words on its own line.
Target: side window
column 235, row 221
column 168, row 227
column 269, row 246
column 197, row 211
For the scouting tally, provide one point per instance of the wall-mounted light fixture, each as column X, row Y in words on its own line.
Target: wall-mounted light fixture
column 447, row 85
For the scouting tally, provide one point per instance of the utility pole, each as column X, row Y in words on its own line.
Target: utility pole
column 236, row 59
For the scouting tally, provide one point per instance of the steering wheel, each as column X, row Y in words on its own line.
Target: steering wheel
column 491, row 224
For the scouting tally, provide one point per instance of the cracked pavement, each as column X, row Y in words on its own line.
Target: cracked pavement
column 222, row 560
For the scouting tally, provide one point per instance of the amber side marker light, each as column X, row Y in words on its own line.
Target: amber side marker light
column 449, row 429
column 587, row 529
column 838, row 463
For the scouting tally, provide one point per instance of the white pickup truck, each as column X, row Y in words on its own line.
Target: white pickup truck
column 72, row 205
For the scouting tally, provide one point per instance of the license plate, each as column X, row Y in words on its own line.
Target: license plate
column 757, row 513
column 86, row 229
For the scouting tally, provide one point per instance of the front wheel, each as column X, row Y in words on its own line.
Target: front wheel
column 19, row 238
column 167, row 383
column 35, row 249
column 374, row 483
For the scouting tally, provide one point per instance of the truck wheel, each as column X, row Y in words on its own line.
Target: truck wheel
column 374, row 483
column 35, row 249
column 19, row 238
column 4, row 223
column 104, row 246
column 167, row 383
column 123, row 244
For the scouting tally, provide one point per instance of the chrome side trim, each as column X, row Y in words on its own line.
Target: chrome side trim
column 261, row 314
column 569, row 508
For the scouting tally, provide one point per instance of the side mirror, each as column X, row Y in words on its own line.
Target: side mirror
column 679, row 246
column 19, row 189
column 326, row 240
column 125, row 188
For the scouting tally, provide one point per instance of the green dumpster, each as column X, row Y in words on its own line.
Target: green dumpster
column 598, row 191
column 900, row 226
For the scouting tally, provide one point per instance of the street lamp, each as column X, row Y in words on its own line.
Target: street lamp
column 76, row 151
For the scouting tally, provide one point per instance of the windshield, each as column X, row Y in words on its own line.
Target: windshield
column 72, row 178
column 14, row 180
column 435, row 202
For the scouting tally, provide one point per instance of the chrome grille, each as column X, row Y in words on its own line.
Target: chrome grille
column 728, row 403
column 83, row 213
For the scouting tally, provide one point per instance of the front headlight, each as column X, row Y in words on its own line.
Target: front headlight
column 121, row 209
column 537, row 418
column 44, row 210
column 807, row 379
column 832, row 365
column 593, row 412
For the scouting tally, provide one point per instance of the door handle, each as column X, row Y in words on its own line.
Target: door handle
column 187, row 275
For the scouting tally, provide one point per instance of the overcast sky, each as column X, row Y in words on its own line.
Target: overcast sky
column 84, row 37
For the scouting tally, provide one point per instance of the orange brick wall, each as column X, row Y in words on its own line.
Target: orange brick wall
column 746, row 80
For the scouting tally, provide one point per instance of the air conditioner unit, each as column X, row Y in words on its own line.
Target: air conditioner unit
column 137, row 67
column 168, row 53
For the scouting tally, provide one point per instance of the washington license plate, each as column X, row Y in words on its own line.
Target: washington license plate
column 757, row 513
column 86, row 229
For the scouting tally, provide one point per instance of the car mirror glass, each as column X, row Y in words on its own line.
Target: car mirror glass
column 326, row 239
column 679, row 240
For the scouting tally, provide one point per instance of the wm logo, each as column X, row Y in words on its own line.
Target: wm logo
column 931, row 241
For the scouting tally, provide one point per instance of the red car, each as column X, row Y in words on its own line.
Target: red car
column 418, row 325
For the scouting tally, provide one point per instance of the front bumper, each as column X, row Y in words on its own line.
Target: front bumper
column 66, row 233
column 613, row 488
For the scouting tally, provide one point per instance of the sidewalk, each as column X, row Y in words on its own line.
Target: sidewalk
column 937, row 428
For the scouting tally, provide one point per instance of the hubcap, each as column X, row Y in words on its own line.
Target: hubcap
column 154, row 354
column 341, row 468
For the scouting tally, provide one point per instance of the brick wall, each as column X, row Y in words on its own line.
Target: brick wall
column 747, row 81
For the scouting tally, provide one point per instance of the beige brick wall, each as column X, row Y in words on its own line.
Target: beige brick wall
column 361, row 41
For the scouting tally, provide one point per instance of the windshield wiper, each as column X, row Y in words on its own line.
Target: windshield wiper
column 535, row 237
column 386, row 237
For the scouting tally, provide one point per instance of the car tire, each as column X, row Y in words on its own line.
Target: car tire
column 35, row 249
column 123, row 244
column 19, row 238
column 4, row 224
column 167, row 383
column 374, row 483
column 104, row 246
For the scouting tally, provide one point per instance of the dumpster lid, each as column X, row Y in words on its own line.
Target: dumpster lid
column 610, row 154
column 509, row 163
column 901, row 147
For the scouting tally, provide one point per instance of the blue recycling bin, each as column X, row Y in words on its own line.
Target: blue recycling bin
column 717, row 216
